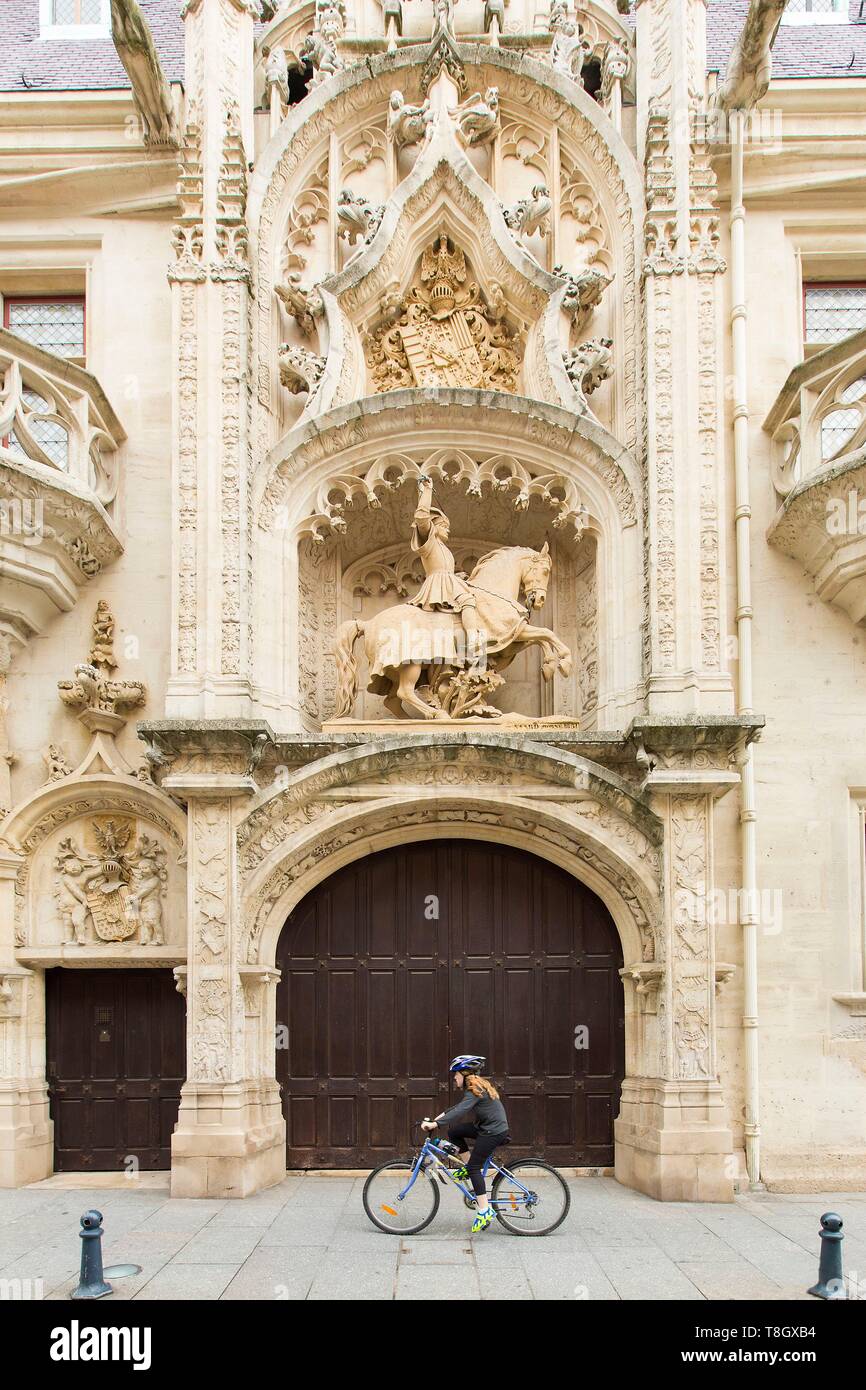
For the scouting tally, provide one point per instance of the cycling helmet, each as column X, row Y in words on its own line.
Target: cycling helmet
column 467, row 1061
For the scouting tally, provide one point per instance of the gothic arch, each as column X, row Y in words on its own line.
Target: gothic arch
column 359, row 800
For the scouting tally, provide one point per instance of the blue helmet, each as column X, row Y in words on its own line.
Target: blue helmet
column 467, row 1061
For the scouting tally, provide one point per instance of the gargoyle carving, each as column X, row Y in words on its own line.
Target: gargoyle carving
column 357, row 218
column 407, row 124
column 750, row 65
column 584, row 291
column 303, row 304
column 588, row 365
column 136, row 50
column 570, row 47
column 477, row 118
column 529, row 215
column 300, row 369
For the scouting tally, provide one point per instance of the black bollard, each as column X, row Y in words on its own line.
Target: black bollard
column 831, row 1281
column 91, row 1283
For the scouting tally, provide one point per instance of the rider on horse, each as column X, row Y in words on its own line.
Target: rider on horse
column 443, row 590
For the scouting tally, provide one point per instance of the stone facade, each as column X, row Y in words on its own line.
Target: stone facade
column 362, row 258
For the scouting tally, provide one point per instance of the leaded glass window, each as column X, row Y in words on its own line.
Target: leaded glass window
column 54, row 324
column 834, row 311
column 77, row 12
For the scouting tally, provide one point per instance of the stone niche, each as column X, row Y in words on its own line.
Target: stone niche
column 364, row 569
column 108, row 883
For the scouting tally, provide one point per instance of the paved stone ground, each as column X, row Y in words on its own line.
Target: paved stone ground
column 309, row 1238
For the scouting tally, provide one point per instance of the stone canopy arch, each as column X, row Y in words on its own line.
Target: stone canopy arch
column 549, row 802
column 351, row 95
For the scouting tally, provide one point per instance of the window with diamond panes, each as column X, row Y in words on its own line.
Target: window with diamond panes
column 76, row 12
column 834, row 311
column 54, row 324
column 814, row 6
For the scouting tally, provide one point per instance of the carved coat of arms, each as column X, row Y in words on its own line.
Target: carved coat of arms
column 119, row 889
column 445, row 334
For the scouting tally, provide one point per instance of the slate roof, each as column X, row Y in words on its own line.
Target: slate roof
column 28, row 62
column 808, row 50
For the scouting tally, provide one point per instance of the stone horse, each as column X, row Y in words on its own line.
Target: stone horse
column 404, row 642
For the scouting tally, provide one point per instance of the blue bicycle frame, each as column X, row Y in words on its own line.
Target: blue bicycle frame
column 430, row 1151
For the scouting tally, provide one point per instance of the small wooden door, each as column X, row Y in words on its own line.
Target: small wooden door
column 116, row 1061
column 405, row 958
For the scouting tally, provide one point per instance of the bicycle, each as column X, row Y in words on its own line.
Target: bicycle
column 399, row 1204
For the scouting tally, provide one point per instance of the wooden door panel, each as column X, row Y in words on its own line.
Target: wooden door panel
column 409, row 956
column 116, row 1062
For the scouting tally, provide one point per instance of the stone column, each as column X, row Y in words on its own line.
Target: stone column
column 673, row 1137
column 211, row 456
column 26, row 1132
column 230, row 1138
column 685, row 649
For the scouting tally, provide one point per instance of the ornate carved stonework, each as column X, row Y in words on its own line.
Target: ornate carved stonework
column 115, row 893
column 100, row 701
column 447, row 334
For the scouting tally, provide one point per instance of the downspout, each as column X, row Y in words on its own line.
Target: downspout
column 746, row 81
column 748, row 898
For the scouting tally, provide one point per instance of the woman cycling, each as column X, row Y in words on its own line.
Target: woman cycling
column 480, row 1115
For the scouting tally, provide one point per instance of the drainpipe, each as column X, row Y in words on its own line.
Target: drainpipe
column 746, row 80
column 745, row 756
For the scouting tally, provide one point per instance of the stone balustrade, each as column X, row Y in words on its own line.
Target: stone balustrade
column 59, row 477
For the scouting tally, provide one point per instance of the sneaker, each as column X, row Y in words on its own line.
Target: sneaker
column 461, row 1172
column 482, row 1221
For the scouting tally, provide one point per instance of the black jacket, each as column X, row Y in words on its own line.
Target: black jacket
column 485, row 1112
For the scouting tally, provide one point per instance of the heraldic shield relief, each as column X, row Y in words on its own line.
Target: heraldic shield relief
column 448, row 335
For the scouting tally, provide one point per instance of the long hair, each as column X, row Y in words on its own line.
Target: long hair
column 480, row 1086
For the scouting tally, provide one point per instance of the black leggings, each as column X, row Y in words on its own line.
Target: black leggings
column 481, row 1151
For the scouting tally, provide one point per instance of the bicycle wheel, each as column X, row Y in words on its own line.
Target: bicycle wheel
column 400, row 1216
column 542, row 1210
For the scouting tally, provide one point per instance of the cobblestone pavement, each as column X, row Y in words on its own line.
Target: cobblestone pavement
column 309, row 1238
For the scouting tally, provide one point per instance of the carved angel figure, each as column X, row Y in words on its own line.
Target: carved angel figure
column 477, row 118
column 407, row 124
column 144, row 901
column 529, row 215
column 70, row 892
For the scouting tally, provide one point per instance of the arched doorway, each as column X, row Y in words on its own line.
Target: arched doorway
column 410, row 955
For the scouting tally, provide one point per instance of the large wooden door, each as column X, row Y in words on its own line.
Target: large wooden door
column 116, row 1062
column 407, row 957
